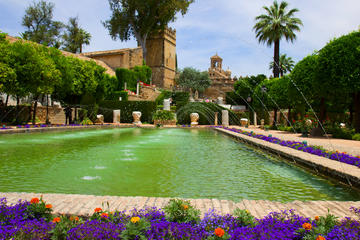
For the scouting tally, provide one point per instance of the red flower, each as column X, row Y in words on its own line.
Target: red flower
column 219, row 232
column 97, row 210
column 104, row 215
column 320, row 238
column 34, row 200
column 56, row 220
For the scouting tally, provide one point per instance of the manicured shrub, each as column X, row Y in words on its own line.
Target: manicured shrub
column 181, row 211
column 163, row 95
column 163, row 115
column 13, row 115
column 146, row 108
column 356, row 137
column 115, row 96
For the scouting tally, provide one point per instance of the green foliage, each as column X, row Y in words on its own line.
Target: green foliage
column 60, row 231
column 134, row 18
column 286, row 64
column 92, row 111
column 145, row 107
column 244, row 218
column 163, row 115
column 343, row 133
column 15, row 115
column 86, row 121
column 356, row 137
column 115, row 96
column 165, row 94
column 191, row 78
column 75, row 37
column 136, row 229
column 180, row 99
column 206, row 113
column 323, row 226
column 143, row 73
column 181, row 211
column 38, row 210
column 126, row 75
column 234, row 99
column 39, row 25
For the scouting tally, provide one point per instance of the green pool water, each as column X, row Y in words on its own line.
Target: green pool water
column 159, row 163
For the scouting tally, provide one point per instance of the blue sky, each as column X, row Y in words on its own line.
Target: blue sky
column 222, row 26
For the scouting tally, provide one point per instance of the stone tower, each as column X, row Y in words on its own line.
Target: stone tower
column 161, row 57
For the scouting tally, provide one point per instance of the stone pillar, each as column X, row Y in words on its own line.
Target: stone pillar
column 116, row 116
column 137, row 117
column 138, row 89
column 255, row 119
column 216, row 118
column 125, row 86
column 225, row 118
column 166, row 104
column 262, row 122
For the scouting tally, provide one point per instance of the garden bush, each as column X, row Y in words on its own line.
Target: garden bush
column 180, row 99
column 343, row 133
column 163, row 115
column 146, row 108
column 163, row 95
column 206, row 113
column 115, row 96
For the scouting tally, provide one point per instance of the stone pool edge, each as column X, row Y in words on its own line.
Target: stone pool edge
column 347, row 174
column 84, row 205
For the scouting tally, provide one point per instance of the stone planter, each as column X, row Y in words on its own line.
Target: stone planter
column 165, row 122
column 194, row 119
column 136, row 117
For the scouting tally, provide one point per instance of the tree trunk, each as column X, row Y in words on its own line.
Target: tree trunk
column 7, row 100
column 275, row 117
column 276, row 58
column 357, row 112
column 34, row 111
column 322, row 110
column 289, row 116
column 17, row 109
column 47, row 109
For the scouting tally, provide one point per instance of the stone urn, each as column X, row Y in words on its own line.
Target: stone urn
column 244, row 122
column 137, row 117
column 194, row 119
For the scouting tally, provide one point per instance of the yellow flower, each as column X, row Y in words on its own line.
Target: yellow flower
column 135, row 219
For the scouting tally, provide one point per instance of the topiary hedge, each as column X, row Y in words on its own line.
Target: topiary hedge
column 13, row 115
column 206, row 113
column 147, row 109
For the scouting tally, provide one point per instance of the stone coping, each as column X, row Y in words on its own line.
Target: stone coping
column 347, row 174
column 84, row 205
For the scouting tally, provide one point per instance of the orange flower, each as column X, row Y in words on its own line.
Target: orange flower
column 186, row 207
column 320, row 238
column 76, row 218
column 219, row 232
column 317, row 218
column 34, row 200
column 307, row 226
column 56, row 220
column 48, row 206
column 97, row 210
column 104, row 215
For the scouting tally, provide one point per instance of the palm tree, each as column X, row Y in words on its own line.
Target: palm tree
column 286, row 64
column 277, row 23
column 75, row 36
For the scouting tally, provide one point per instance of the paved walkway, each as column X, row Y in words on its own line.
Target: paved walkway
column 332, row 144
column 84, row 205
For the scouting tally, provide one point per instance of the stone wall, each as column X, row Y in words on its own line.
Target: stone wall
column 121, row 58
column 219, row 89
column 56, row 114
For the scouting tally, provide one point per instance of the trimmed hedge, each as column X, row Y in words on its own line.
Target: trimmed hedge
column 9, row 114
column 206, row 113
column 117, row 94
column 147, row 109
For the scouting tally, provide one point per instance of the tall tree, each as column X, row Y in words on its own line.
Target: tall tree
column 276, row 24
column 39, row 25
column 140, row 18
column 75, row 37
column 191, row 78
column 286, row 64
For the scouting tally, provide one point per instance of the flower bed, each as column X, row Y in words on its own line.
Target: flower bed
column 178, row 220
column 302, row 146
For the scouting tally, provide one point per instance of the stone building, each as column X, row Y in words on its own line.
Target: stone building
column 221, row 80
column 161, row 57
